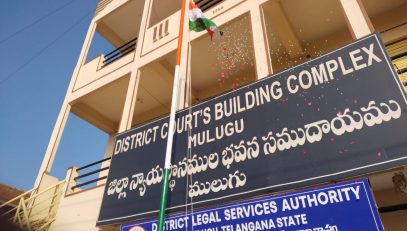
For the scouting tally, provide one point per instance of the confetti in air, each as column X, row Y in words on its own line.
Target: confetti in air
column 234, row 54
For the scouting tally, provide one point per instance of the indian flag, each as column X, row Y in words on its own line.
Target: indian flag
column 198, row 22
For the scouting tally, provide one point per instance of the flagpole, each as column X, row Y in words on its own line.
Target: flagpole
column 174, row 107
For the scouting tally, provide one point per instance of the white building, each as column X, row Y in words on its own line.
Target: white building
column 132, row 84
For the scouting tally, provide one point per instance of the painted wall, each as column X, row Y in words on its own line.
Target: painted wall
column 43, row 202
column 393, row 221
column 78, row 211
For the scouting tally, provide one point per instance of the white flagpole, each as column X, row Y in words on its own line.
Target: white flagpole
column 171, row 126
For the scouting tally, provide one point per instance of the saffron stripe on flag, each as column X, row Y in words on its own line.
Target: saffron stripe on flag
column 198, row 22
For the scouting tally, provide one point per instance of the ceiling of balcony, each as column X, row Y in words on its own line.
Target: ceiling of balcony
column 383, row 180
column 377, row 7
column 154, row 89
column 310, row 19
column 103, row 108
column 162, row 9
column 122, row 24
column 386, row 15
column 300, row 29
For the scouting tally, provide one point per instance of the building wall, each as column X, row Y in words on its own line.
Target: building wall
column 78, row 211
column 393, row 221
column 43, row 202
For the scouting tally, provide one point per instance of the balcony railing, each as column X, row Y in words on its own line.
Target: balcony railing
column 101, row 5
column 400, row 64
column 398, row 54
column 90, row 173
column 204, row 5
column 119, row 52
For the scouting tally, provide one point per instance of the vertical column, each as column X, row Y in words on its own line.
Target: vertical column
column 49, row 156
column 70, row 182
column 82, row 56
column 110, row 146
column 52, row 148
column 356, row 18
column 261, row 52
column 184, row 70
column 131, row 96
column 108, row 153
column 129, row 104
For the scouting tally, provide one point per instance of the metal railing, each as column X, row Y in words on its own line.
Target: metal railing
column 400, row 65
column 35, row 210
column 119, row 52
column 393, row 208
column 398, row 54
column 102, row 5
column 131, row 45
column 90, row 173
column 205, row 5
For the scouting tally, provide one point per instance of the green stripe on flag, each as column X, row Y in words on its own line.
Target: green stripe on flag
column 201, row 24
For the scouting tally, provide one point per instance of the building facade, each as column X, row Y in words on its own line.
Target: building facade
column 132, row 84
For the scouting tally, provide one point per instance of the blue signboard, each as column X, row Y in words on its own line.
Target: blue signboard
column 340, row 115
column 339, row 207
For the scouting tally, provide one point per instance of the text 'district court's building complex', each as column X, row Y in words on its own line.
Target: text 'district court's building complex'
column 294, row 119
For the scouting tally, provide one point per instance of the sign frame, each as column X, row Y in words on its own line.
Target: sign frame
column 350, row 172
column 366, row 200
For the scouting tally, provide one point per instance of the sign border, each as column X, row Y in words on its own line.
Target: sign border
column 363, row 181
column 395, row 77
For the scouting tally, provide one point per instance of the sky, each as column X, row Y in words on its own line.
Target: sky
column 40, row 42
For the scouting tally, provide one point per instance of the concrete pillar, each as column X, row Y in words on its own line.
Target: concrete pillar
column 108, row 153
column 110, row 145
column 70, row 181
column 45, row 197
column 131, row 96
column 129, row 104
column 53, row 144
column 356, row 17
column 49, row 155
column 260, row 43
column 82, row 56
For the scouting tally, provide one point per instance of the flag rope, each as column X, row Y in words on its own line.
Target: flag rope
column 189, row 148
